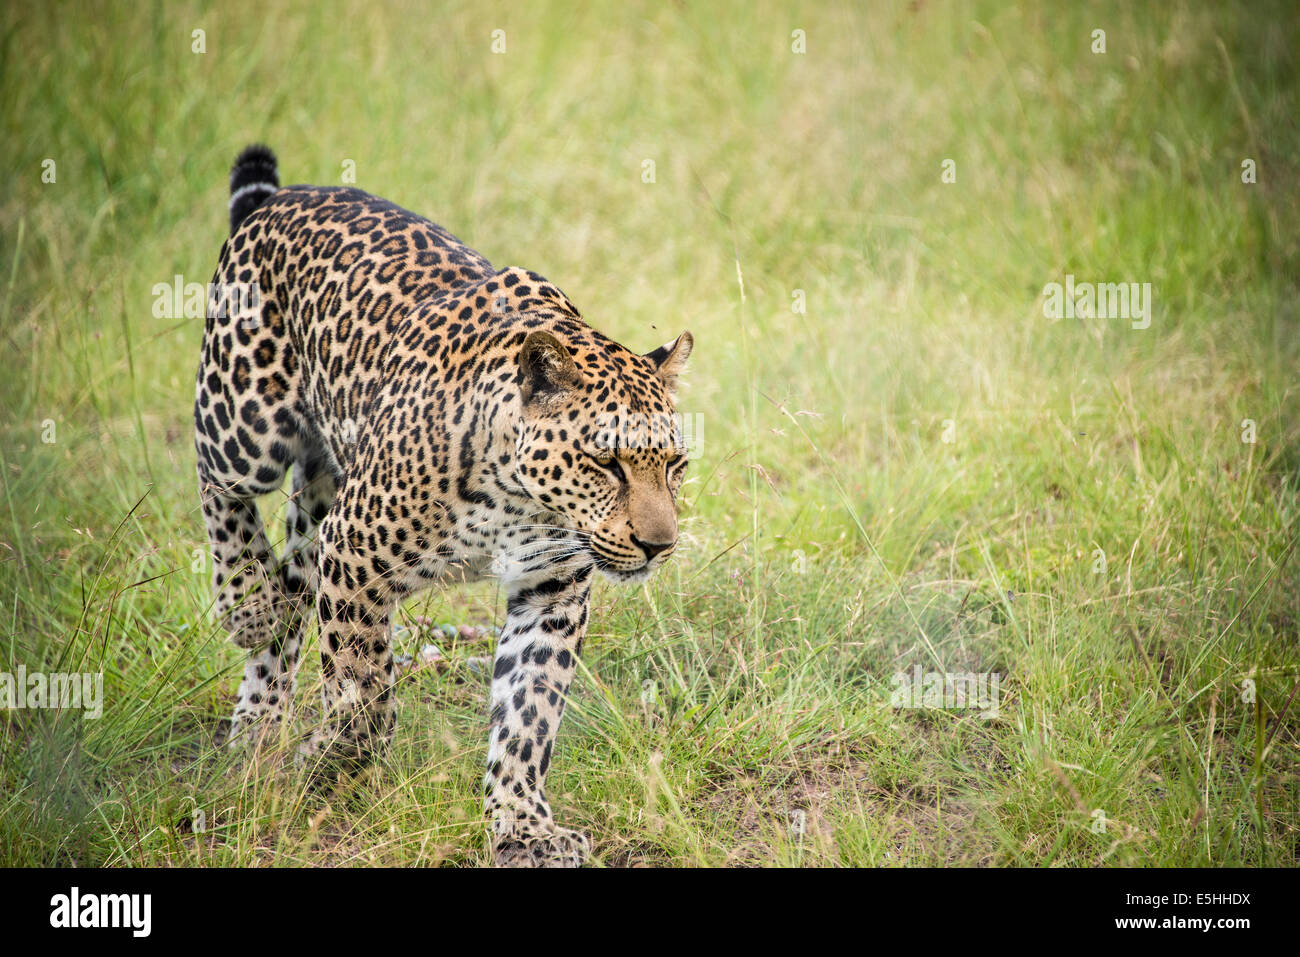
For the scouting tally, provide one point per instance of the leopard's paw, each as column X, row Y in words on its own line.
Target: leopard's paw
column 560, row 848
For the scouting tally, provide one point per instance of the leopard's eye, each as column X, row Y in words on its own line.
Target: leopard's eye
column 610, row 464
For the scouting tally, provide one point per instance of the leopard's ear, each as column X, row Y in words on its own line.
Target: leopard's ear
column 546, row 367
column 670, row 358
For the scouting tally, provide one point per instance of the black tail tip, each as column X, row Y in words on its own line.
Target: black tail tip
column 258, row 158
column 254, row 177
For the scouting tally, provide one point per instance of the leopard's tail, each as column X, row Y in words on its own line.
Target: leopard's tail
column 253, row 178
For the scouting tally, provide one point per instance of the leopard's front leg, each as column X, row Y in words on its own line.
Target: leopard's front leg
column 535, row 660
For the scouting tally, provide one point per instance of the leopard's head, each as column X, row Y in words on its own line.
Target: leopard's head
column 600, row 446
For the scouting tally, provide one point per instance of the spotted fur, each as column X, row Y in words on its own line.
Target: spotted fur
column 444, row 421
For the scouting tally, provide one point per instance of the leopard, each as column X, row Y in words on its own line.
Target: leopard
column 432, row 420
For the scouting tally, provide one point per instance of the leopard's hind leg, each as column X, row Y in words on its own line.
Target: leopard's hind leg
column 258, row 597
column 265, row 602
column 251, row 602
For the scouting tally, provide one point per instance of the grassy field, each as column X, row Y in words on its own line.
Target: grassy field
column 904, row 464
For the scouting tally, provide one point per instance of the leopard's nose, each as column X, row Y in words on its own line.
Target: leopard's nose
column 651, row 549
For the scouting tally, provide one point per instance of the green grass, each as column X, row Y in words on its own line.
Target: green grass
column 918, row 469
